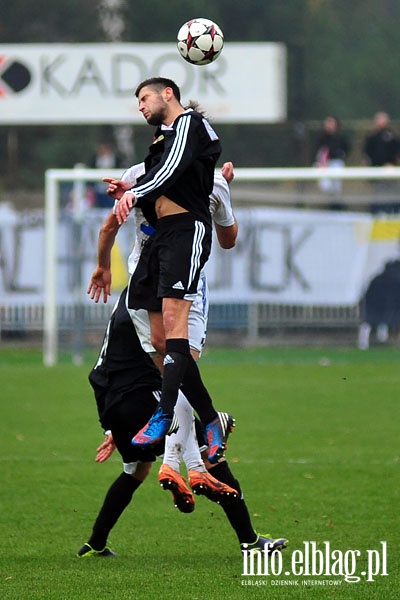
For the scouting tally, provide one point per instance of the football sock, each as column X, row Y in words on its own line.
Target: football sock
column 177, row 354
column 197, row 394
column 178, row 443
column 237, row 512
column 191, row 453
column 117, row 499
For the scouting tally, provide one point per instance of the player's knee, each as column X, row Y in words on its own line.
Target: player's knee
column 142, row 470
column 130, row 468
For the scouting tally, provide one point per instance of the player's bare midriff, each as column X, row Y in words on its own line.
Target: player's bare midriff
column 165, row 207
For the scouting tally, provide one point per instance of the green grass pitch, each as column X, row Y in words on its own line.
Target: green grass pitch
column 316, row 449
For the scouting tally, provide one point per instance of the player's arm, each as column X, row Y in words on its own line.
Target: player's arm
column 225, row 223
column 227, row 235
column 117, row 187
column 100, row 281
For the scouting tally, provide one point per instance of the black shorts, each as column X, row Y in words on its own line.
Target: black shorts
column 170, row 262
column 126, row 418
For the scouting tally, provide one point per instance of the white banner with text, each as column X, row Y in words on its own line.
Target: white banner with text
column 95, row 83
column 296, row 257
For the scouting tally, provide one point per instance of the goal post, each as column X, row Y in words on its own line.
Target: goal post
column 53, row 178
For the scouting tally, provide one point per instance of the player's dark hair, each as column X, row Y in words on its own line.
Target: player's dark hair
column 159, row 83
column 194, row 105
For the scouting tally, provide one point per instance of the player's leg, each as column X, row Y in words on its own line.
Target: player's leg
column 118, row 497
column 169, row 474
column 125, row 418
column 179, row 368
column 179, row 365
column 182, row 246
column 203, row 483
column 239, row 517
column 183, row 444
column 177, row 350
column 236, row 511
column 218, row 425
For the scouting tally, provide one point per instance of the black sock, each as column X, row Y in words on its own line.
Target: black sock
column 177, row 354
column 117, row 499
column 236, row 511
column 197, row 394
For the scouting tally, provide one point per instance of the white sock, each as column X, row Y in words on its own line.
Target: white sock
column 176, row 443
column 191, row 453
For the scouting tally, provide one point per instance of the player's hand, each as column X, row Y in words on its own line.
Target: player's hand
column 105, row 449
column 116, row 187
column 100, row 284
column 124, row 207
column 227, row 171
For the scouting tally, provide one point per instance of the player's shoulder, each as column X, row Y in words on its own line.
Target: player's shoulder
column 198, row 121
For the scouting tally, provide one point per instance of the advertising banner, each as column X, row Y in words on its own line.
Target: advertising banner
column 95, row 83
column 282, row 256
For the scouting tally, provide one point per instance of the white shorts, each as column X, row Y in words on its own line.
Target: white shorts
column 198, row 317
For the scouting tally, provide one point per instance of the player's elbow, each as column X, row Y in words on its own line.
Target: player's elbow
column 227, row 244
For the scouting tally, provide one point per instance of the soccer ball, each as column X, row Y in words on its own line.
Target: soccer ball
column 200, row 41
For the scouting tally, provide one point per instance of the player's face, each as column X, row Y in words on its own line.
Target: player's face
column 152, row 105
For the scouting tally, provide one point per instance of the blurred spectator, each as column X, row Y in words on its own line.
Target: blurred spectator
column 332, row 149
column 382, row 148
column 106, row 158
column 380, row 306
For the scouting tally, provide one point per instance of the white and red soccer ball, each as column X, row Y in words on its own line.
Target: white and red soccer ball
column 200, row 41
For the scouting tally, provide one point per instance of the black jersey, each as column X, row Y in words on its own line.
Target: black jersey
column 185, row 170
column 152, row 159
column 123, row 366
